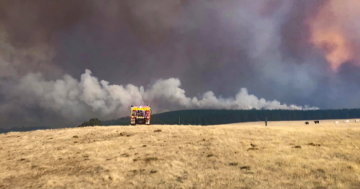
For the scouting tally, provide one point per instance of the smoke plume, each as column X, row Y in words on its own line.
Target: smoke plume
column 297, row 52
column 74, row 100
column 334, row 34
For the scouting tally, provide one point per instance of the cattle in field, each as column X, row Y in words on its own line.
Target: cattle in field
column 316, row 122
column 307, row 123
column 357, row 121
column 346, row 121
column 336, row 122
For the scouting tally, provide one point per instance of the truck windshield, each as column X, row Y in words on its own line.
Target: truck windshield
column 140, row 113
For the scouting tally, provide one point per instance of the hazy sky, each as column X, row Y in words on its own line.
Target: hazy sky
column 64, row 62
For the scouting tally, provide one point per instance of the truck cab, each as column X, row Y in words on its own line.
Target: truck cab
column 140, row 115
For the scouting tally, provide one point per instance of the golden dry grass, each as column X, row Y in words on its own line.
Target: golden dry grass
column 185, row 157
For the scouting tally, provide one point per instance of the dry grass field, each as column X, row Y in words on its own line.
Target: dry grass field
column 283, row 155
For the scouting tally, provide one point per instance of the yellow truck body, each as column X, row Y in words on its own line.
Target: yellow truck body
column 140, row 115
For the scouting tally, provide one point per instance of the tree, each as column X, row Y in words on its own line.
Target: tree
column 91, row 122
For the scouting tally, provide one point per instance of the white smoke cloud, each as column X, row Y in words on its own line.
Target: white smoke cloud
column 75, row 100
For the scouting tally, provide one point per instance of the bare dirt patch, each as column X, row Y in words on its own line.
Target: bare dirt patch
column 233, row 164
column 312, row 144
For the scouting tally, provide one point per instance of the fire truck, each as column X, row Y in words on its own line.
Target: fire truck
column 140, row 115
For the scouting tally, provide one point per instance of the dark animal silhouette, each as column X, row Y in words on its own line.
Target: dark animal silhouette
column 253, row 145
column 316, row 122
column 307, row 123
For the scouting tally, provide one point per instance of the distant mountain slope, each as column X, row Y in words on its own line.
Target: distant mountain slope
column 214, row 117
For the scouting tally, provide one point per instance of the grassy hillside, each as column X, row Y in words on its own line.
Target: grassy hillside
column 284, row 155
column 215, row 117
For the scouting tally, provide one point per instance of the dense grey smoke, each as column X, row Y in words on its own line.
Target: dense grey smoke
column 75, row 100
column 275, row 49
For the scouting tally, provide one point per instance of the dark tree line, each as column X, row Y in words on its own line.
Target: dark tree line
column 91, row 122
column 214, row 117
